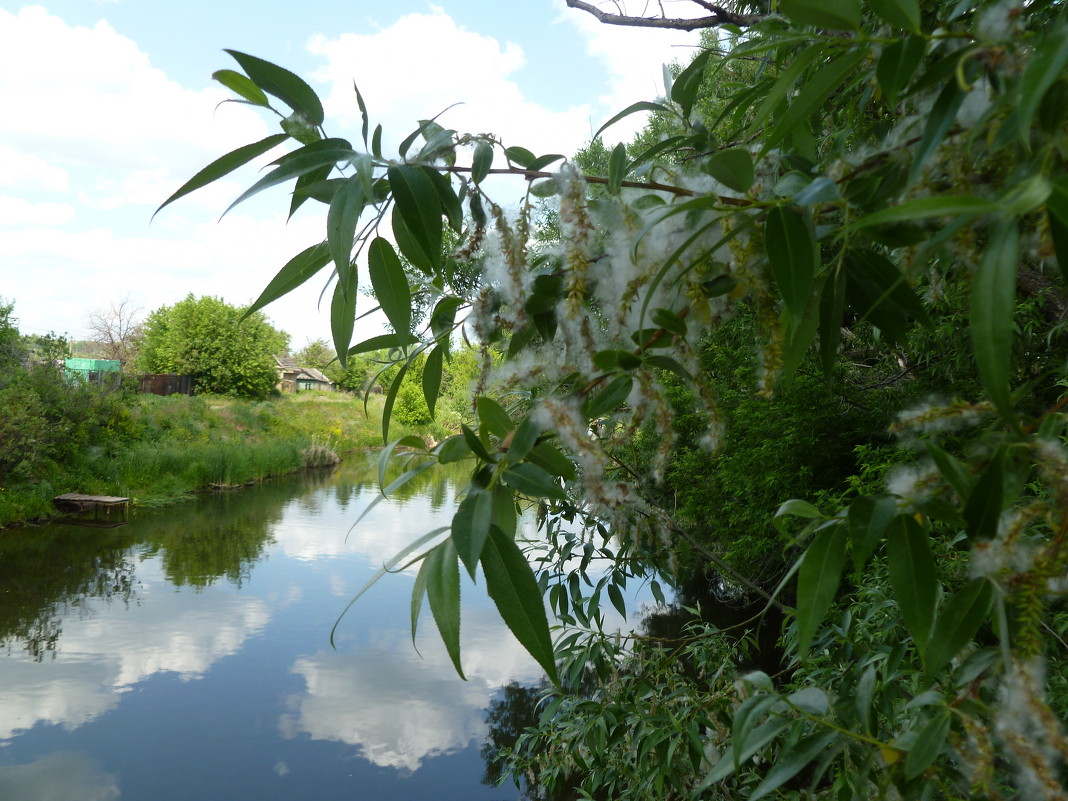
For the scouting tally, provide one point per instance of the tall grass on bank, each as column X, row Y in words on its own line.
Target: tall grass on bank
column 159, row 450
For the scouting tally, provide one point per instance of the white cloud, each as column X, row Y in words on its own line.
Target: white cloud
column 26, row 171
column 634, row 57
column 17, row 211
column 441, row 64
column 60, row 776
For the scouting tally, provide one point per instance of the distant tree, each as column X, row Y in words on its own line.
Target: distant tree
column 11, row 348
column 317, row 353
column 117, row 331
column 207, row 339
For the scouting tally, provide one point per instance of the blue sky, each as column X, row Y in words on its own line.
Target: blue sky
column 109, row 106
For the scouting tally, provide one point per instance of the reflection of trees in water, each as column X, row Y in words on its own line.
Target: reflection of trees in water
column 47, row 572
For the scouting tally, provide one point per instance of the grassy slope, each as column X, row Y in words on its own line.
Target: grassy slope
column 161, row 450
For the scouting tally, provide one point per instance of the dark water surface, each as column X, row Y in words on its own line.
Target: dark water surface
column 187, row 656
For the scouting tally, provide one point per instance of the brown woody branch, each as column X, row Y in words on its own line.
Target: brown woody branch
column 719, row 16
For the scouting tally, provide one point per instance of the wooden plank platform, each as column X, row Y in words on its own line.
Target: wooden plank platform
column 107, row 504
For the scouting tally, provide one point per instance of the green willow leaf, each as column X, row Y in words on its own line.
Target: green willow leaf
column 545, row 455
column 1047, row 64
column 520, row 155
column 453, row 449
column 343, row 313
column 471, row 527
column 307, row 159
column 814, row 93
column 432, row 372
column 792, row 761
column 939, row 121
column 957, row 623
column 927, row 207
column 525, row 437
column 341, row 220
column 295, row 272
column 418, row 594
column 1057, row 215
column 982, row 512
column 833, row 14
column 610, row 398
column 390, row 284
column 417, row 201
column 242, row 85
column 514, row 589
column 634, row 108
column 913, row 577
column 443, row 592
column 817, row 582
column 927, row 746
column 493, row 418
column 898, row 13
column 617, row 168
column 533, row 481
column 541, row 162
column 685, row 88
column 868, row 518
column 897, row 64
column 224, row 166
column 792, row 256
column 283, row 84
column 482, row 161
column 732, row 167
column 878, row 291
column 391, row 398
column 992, row 300
column 832, row 307
column 383, row 342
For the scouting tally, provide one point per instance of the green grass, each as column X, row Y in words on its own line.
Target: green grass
column 165, row 449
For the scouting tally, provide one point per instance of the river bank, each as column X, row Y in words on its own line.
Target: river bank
column 157, row 451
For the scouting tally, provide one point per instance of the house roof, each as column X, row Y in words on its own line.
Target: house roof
column 313, row 374
column 286, row 362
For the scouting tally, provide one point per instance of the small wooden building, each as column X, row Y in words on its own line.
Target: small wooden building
column 294, row 378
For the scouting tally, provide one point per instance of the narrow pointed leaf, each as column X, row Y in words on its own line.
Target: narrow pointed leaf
column 295, row 272
column 391, row 398
column 928, row 207
column 533, row 481
column 1047, row 64
column 610, row 398
column 817, row 582
column 242, row 85
column 514, row 589
column 283, row 84
column 897, row 64
column 471, row 527
column 792, row 256
column 482, row 161
column 341, row 220
column 383, row 342
column 927, row 745
column 526, row 435
column 390, row 284
column 913, row 577
column 939, row 121
column 298, row 164
column 792, row 761
column 993, row 299
column 982, row 512
column 492, row 416
column 617, row 168
column 903, row 14
column 343, row 313
column 685, row 88
column 224, row 166
column 443, row 592
column 420, row 208
column 957, row 624
column 432, row 370
column 1057, row 214
column 643, row 105
column 833, row 14
column 829, row 79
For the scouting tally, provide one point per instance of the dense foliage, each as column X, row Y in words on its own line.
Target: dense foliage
column 878, row 192
column 225, row 350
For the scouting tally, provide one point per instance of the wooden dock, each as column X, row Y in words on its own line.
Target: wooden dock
column 108, row 510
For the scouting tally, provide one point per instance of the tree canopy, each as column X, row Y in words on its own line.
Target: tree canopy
column 226, row 350
column 874, row 194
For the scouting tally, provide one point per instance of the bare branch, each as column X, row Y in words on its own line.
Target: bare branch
column 719, row 16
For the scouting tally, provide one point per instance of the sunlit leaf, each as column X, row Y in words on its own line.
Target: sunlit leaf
column 242, row 85
column 390, row 284
column 533, row 481
column 341, row 220
column 420, row 207
column 295, row 272
column 343, row 313
column 493, row 417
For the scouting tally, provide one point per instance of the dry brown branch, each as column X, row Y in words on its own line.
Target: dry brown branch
column 719, row 16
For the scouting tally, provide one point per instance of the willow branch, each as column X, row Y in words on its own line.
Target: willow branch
column 719, row 16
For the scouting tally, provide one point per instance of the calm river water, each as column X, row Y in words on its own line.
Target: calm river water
column 187, row 656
